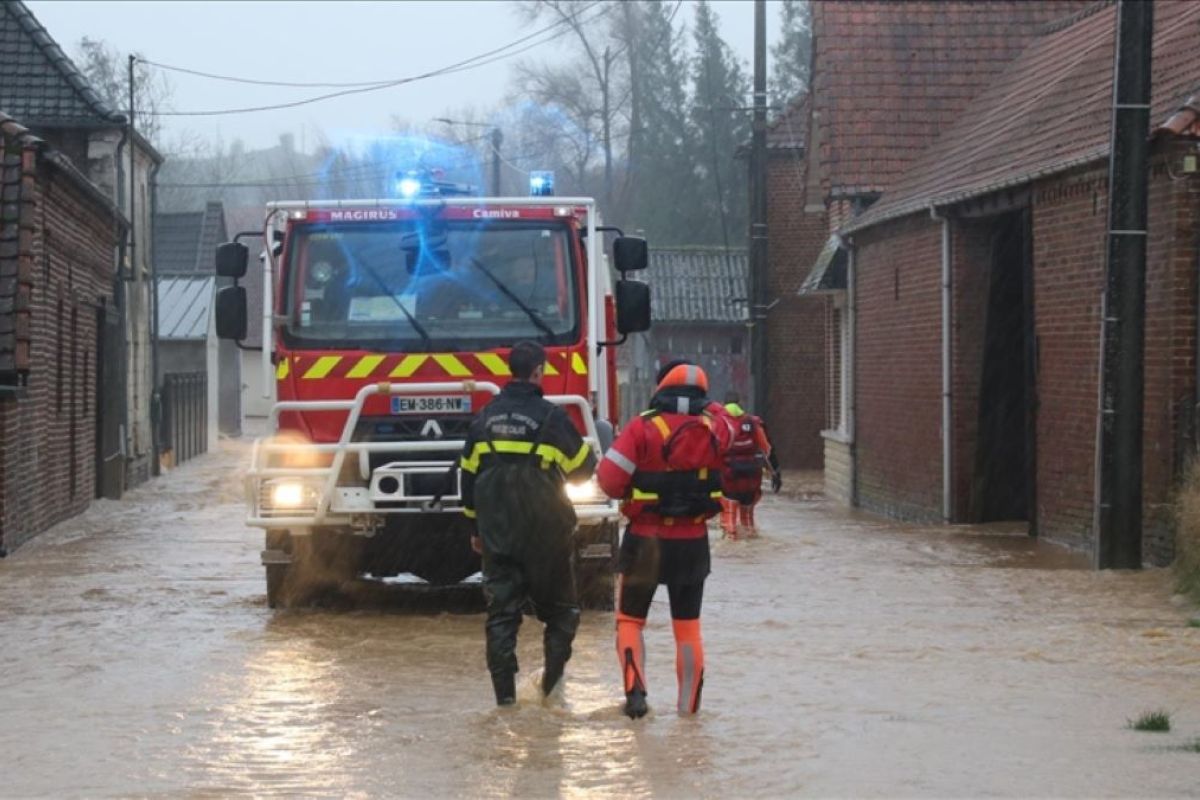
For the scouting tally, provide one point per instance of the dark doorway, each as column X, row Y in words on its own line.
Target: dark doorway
column 110, row 402
column 1003, row 488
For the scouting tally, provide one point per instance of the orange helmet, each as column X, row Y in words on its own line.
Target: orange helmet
column 684, row 375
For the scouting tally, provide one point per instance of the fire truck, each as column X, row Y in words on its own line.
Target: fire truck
column 386, row 326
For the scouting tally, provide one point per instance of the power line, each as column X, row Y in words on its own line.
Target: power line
column 483, row 59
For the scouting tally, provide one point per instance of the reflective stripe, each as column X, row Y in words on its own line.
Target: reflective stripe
column 618, row 458
column 572, row 464
column 578, row 364
column 687, row 679
column 550, row 368
column 493, row 364
column 638, row 494
column 662, row 426
column 365, row 366
column 282, row 370
column 408, row 365
column 547, row 452
column 682, row 405
column 692, row 375
column 322, row 367
column 469, row 513
column 452, row 365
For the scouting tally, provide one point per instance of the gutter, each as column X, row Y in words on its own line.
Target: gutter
column 155, row 395
column 947, row 385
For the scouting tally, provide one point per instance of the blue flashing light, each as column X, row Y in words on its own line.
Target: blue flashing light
column 409, row 186
column 541, row 184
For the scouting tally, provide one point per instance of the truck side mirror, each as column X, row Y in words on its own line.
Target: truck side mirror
column 630, row 254
column 632, row 306
column 231, row 260
column 231, row 313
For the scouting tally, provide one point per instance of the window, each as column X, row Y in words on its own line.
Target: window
column 837, row 400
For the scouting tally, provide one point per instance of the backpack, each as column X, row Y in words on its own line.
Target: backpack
column 690, row 448
column 521, row 508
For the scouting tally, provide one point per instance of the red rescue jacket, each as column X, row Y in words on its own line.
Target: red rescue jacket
column 666, row 467
column 746, row 458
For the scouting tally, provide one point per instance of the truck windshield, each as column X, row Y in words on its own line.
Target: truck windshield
column 392, row 286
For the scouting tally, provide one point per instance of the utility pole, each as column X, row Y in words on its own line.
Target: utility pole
column 758, row 216
column 1119, row 538
column 497, row 139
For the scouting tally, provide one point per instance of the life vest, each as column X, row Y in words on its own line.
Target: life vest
column 681, row 475
column 744, row 461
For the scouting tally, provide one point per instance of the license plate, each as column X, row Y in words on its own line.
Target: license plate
column 431, row 404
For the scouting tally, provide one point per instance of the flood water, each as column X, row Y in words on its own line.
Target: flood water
column 846, row 656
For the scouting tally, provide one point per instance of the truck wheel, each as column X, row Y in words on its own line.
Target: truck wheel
column 596, row 564
column 300, row 569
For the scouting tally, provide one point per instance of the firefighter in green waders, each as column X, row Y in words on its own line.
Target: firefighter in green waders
column 519, row 451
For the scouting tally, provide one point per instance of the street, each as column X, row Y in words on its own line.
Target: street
column 846, row 656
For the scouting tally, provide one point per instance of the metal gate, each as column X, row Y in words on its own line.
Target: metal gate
column 184, row 432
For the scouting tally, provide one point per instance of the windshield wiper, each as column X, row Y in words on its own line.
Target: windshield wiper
column 529, row 312
column 426, row 339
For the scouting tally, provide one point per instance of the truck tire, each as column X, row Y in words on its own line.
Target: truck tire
column 596, row 565
column 300, row 570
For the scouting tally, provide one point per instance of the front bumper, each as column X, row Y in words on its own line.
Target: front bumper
column 304, row 497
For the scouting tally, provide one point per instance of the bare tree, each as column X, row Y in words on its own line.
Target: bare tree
column 108, row 72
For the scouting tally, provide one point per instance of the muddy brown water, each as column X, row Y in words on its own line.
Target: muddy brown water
column 847, row 656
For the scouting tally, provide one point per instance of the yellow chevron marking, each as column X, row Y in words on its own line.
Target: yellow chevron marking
column 578, row 364
column 322, row 367
column 281, row 369
column 550, row 368
column 408, row 365
column 452, row 365
column 494, row 363
column 365, row 366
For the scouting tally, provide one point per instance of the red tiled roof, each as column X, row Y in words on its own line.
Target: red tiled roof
column 1185, row 121
column 1050, row 111
column 889, row 76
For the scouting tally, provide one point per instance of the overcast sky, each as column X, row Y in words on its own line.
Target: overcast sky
column 327, row 42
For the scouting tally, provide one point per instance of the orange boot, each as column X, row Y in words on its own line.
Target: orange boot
column 729, row 517
column 746, row 527
column 631, row 650
column 689, row 663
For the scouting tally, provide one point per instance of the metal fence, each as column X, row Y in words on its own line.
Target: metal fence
column 184, row 433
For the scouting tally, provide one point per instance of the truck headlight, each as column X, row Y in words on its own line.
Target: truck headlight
column 290, row 494
column 585, row 492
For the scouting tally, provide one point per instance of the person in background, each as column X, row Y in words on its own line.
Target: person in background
column 666, row 468
column 518, row 452
column 741, row 480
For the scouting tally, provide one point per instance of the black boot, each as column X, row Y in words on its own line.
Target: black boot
column 551, row 676
column 505, row 685
column 635, row 704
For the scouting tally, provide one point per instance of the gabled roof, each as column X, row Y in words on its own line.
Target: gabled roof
column 41, row 86
column 186, row 242
column 694, row 285
column 889, row 76
column 788, row 130
column 183, row 307
column 1049, row 112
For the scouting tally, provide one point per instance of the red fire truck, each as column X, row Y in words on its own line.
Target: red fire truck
column 386, row 326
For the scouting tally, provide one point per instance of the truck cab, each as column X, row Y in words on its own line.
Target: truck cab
column 386, row 326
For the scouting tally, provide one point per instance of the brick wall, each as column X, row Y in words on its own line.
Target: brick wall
column 47, row 434
column 898, row 369
column 796, row 325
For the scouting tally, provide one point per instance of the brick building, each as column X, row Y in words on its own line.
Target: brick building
column 886, row 78
column 58, row 233
column 975, row 285
column 44, row 89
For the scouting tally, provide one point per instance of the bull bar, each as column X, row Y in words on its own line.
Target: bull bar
column 333, row 504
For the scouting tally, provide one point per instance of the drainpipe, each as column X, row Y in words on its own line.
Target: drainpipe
column 947, row 387
column 155, row 395
column 852, row 353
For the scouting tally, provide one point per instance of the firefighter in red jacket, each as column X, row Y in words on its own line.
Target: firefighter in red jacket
column 741, row 480
column 666, row 467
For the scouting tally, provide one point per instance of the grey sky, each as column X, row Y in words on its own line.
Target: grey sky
column 326, row 41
